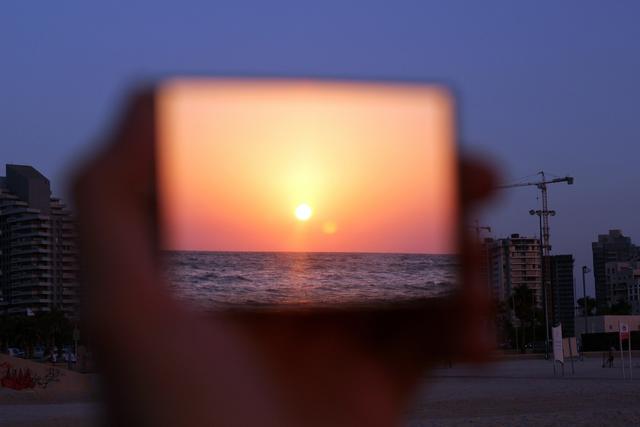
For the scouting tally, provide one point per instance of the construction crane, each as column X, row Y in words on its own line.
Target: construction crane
column 545, row 212
column 545, row 247
column 477, row 228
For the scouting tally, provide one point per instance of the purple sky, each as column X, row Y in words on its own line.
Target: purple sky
column 541, row 86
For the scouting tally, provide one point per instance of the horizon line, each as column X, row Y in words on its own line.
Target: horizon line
column 308, row 252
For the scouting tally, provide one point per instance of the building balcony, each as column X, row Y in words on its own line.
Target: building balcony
column 30, row 285
column 43, row 229
column 23, row 258
column 528, row 270
column 27, row 258
column 36, row 250
column 30, row 267
column 524, row 266
column 18, row 276
column 17, row 310
column 29, row 232
column 25, row 227
column 22, row 221
column 23, row 241
column 32, row 300
column 28, row 293
column 18, row 215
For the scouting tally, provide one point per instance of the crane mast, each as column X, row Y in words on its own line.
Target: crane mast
column 545, row 246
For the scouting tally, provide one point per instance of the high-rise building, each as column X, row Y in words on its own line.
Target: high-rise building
column 485, row 265
column 516, row 261
column 513, row 262
column 38, row 255
column 612, row 247
column 562, row 288
column 623, row 283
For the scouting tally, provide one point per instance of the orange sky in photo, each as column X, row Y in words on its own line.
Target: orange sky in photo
column 296, row 165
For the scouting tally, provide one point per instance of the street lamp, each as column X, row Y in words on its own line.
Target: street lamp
column 542, row 277
column 585, row 270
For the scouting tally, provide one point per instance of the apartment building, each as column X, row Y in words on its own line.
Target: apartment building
column 38, row 251
column 516, row 261
column 562, row 291
column 611, row 247
column 513, row 262
column 622, row 280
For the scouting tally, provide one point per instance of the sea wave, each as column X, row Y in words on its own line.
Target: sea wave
column 221, row 279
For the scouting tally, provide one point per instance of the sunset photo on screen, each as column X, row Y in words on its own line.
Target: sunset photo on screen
column 307, row 191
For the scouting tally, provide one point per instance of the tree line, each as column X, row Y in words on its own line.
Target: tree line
column 529, row 317
column 47, row 329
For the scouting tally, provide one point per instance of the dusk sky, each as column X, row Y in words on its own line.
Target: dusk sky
column 540, row 85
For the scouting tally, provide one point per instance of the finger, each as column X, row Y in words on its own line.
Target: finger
column 124, row 166
column 118, row 185
column 114, row 196
column 478, row 179
column 473, row 302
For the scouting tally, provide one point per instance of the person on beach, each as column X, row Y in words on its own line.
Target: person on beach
column 54, row 355
column 347, row 370
column 611, row 357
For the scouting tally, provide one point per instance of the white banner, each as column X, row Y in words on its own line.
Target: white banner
column 557, row 343
column 569, row 347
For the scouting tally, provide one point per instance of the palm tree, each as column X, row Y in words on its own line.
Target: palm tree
column 620, row 308
column 7, row 331
column 26, row 333
column 54, row 327
column 502, row 322
column 591, row 305
column 522, row 303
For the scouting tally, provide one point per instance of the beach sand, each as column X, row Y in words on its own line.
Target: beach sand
column 525, row 392
column 69, row 398
column 62, row 385
column 512, row 391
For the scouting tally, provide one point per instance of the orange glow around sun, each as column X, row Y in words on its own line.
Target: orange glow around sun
column 293, row 165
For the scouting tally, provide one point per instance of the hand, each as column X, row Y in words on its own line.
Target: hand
column 165, row 365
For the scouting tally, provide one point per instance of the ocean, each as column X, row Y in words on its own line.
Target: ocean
column 218, row 280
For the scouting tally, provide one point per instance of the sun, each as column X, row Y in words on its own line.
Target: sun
column 303, row 212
